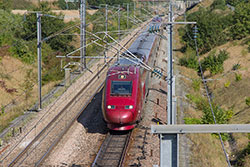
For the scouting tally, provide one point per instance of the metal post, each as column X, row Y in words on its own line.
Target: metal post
column 127, row 15
column 170, row 70
column 39, row 59
column 106, row 16
column 83, row 34
column 134, row 8
column 106, row 29
column 67, row 77
column 119, row 31
column 170, row 143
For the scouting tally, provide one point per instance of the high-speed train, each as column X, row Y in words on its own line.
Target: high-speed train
column 127, row 83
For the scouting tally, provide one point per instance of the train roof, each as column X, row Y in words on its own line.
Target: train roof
column 141, row 47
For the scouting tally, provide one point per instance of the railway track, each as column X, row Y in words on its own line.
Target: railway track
column 41, row 145
column 112, row 151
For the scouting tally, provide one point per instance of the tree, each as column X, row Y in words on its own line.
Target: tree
column 241, row 21
column 28, row 84
column 50, row 26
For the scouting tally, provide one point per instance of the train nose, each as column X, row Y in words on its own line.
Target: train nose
column 120, row 117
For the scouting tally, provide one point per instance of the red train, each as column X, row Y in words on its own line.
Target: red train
column 127, row 82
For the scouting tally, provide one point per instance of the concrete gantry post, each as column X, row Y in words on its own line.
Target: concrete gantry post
column 170, row 68
column 106, row 30
column 119, row 30
column 83, row 33
column 39, row 59
column 127, row 15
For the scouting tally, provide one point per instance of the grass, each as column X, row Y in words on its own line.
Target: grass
column 9, row 116
column 230, row 95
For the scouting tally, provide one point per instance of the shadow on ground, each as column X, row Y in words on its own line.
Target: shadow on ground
column 92, row 118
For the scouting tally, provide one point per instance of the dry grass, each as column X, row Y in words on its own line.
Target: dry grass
column 16, row 71
column 206, row 149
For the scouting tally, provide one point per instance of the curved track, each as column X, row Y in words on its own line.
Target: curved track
column 113, row 150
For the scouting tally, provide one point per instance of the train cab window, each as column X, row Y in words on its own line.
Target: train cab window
column 121, row 88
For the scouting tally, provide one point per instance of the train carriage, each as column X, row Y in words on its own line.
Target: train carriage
column 127, row 83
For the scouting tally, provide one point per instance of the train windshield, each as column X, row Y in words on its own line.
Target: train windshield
column 121, row 88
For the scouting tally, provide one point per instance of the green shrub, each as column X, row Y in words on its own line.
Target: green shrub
column 192, row 120
column 190, row 59
column 218, row 4
column 227, row 84
column 236, row 66
column 238, row 77
column 196, row 84
column 22, row 51
column 198, row 100
column 69, row 6
column 28, row 83
column 240, row 26
column 247, row 101
column 212, row 28
column 214, row 63
column 221, row 116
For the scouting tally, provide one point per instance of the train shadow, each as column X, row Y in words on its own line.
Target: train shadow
column 92, row 118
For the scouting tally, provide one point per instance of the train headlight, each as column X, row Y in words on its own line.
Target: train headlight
column 111, row 107
column 129, row 107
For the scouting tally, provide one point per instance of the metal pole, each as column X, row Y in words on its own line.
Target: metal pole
column 119, row 30
column 127, row 16
column 106, row 29
column 83, row 34
column 106, row 20
column 134, row 8
column 170, row 72
column 39, row 60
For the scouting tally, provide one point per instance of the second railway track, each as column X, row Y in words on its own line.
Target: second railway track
column 41, row 145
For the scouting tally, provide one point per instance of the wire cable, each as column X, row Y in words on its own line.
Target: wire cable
column 209, row 99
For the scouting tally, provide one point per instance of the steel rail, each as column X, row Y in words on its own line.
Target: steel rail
column 125, row 150
column 107, row 145
column 25, row 150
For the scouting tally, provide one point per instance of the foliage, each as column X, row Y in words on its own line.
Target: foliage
column 247, row 101
column 212, row 29
column 218, row 4
column 22, row 4
column 238, row 77
column 5, row 4
column 190, row 59
column 198, row 100
column 13, row 22
column 28, row 83
column 196, row 84
column 235, row 2
column 22, row 50
column 2, row 110
column 214, row 63
column 50, row 25
column 240, row 158
column 110, row 2
column 69, row 6
column 221, row 116
column 15, row 4
column 227, row 84
column 192, row 120
column 236, row 67
column 241, row 21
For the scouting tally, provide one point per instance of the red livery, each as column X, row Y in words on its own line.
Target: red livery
column 127, row 83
